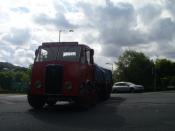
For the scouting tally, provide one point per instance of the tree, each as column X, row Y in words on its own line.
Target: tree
column 16, row 79
column 165, row 70
column 134, row 67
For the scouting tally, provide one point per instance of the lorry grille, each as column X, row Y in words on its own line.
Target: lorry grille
column 53, row 79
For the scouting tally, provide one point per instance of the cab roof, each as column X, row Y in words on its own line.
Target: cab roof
column 50, row 44
column 59, row 43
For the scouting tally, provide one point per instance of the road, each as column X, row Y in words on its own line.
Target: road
column 122, row 112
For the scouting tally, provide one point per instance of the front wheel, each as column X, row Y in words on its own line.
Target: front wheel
column 37, row 102
column 87, row 97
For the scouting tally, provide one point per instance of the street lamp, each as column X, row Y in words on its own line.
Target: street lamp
column 63, row 31
column 111, row 65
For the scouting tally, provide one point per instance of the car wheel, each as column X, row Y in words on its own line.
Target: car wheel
column 132, row 90
column 37, row 102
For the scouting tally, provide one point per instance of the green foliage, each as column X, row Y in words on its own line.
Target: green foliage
column 165, row 67
column 134, row 67
column 15, row 80
column 165, row 73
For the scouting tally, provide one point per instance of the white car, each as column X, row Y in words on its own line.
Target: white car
column 127, row 87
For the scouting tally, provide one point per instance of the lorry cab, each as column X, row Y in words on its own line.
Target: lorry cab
column 61, row 71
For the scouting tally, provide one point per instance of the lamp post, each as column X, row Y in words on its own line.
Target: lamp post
column 63, row 31
column 111, row 65
column 154, row 72
column 59, row 34
column 155, row 77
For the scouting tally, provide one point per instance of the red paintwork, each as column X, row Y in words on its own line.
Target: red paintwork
column 74, row 72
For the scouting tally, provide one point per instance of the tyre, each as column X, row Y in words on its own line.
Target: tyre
column 132, row 90
column 83, row 100
column 37, row 102
column 94, row 98
column 105, row 94
column 88, row 97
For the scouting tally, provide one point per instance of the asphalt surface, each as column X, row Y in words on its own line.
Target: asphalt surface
column 122, row 112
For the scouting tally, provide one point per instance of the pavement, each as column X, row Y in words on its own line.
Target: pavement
column 153, row 111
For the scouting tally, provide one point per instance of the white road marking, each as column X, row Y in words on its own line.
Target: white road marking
column 6, row 102
column 16, row 96
column 10, row 98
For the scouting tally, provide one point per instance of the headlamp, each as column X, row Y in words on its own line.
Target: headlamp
column 38, row 84
column 68, row 86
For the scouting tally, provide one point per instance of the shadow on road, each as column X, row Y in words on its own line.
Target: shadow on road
column 102, row 116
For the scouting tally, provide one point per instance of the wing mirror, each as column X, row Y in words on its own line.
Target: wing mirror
column 92, row 52
column 92, row 56
column 36, row 52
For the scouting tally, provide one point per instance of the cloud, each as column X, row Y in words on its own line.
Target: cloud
column 116, row 26
column 13, row 47
column 149, row 13
column 108, row 26
column 4, row 17
column 21, row 9
column 166, row 50
column 16, row 55
column 58, row 21
column 23, row 57
column 111, row 50
column 110, row 15
column 17, row 36
column 163, row 30
column 170, row 6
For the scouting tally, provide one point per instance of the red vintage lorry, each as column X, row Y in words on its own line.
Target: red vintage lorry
column 65, row 71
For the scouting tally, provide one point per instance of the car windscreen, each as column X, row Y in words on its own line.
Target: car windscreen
column 60, row 53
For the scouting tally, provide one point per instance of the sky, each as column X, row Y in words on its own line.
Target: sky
column 108, row 26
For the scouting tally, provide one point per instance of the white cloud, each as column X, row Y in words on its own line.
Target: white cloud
column 23, row 57
column 17, row 36
column 107, row 26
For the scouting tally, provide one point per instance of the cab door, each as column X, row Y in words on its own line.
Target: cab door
column 90, row 67
column 86, row 66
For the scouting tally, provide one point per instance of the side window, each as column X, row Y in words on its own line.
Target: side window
column 88, row 56
column 121, row 84
column 125, row 84
column 83, row 56
column 43, row 55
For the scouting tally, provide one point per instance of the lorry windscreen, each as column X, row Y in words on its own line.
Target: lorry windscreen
column 60, row 53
